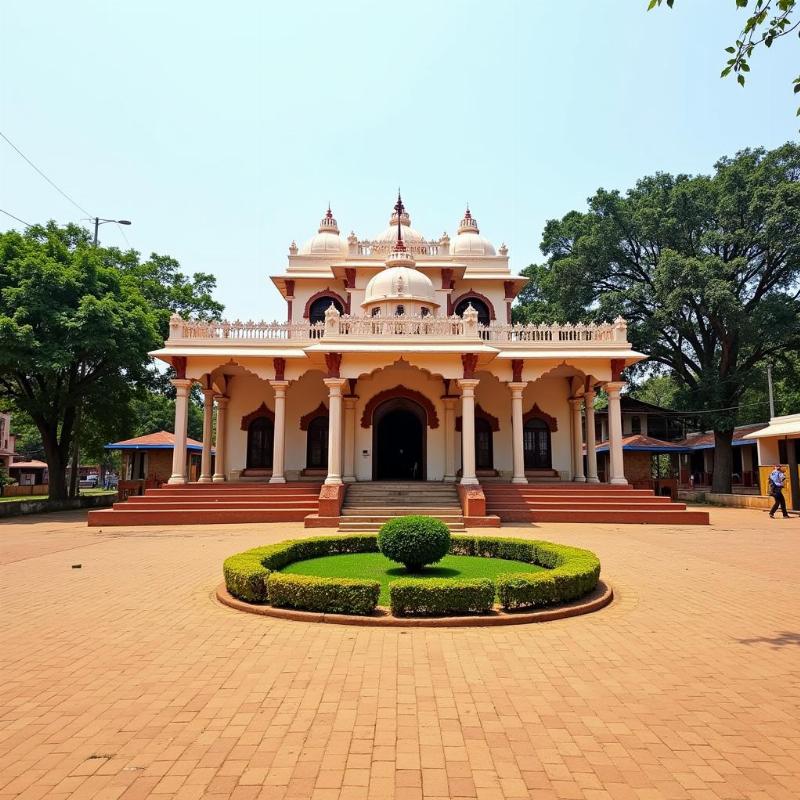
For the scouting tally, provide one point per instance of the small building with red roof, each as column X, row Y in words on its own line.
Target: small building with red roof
column 148, row 458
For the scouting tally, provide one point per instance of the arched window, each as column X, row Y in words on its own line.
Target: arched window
column 376, row 312
column 317, row 443
column 536, row 444
column 318, row 308
column 400, row 310
column 484, row 455
column 425, row 311
column 483, row 310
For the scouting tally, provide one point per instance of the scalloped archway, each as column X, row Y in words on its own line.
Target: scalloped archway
column 261, row 411
column 481, row 413
column 473, row 295
column 536, row 413
column 400, row 392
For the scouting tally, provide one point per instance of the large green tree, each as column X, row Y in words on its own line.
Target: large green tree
column 76, row 326
column 705, row 269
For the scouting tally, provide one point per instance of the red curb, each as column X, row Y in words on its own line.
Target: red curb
column 598, row 599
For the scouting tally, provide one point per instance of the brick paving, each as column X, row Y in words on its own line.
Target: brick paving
column 125, row 678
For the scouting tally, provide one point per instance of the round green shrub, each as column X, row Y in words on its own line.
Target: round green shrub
column 414, row 541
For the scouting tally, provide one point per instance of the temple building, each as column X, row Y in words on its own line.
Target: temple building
column 398, row 361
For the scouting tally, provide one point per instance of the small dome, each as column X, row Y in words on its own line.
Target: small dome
column 387, row 238
column 400, row 283
column 469, row 242
column 327, row 240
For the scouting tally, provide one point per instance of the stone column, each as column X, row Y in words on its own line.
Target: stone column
column 334, row 429
column 182, row 387
column 517, row 388
column 450, row 438
column 219, row 456
column 468, row 430
column 577, row 441
column 279, row 437
column 591, row 443
column 349, row 439
column 208, row 417
column 616, row 465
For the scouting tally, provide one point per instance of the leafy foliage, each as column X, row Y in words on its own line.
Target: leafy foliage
column 770, row 20
column 705, row 269
column 414, row 540
column 441, row 596
column 328, row 595
column 76, row 325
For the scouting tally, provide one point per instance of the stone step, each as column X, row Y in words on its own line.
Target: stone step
column 499, row 508
column 401, row 511
column 577, row 501
column 130, row 517
column 174, row 505
column 630, row 516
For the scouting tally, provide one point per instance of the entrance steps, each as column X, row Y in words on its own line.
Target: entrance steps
column 586, row 502
column 368, row 505
column 213, row 503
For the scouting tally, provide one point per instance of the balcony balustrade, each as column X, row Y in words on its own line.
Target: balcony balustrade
column 344, row 327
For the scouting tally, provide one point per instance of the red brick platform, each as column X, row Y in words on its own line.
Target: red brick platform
column 214, row 503
column 585, row 502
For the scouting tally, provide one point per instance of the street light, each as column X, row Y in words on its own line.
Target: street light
column 98, row 221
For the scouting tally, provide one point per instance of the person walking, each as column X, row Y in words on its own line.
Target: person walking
column 777, row 479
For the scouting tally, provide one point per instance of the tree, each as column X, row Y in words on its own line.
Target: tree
column 76, row 326
column 769, row 21
column 705, row 269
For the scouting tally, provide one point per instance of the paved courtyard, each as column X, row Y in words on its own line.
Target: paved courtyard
column 126, row 679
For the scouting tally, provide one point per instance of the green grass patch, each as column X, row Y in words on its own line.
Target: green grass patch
column 375, row 566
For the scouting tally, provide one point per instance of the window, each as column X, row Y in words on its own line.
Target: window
column 425, row 312
column 478, row 305
column 318, row 308
column 400, row 310
column 376, row 312
column 536, row 444
column 636, row 425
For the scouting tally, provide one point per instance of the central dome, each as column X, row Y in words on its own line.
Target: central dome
column 387, row 238
column 400, row 283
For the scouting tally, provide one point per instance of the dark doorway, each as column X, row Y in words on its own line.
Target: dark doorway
column 259, row 443
column 484, row 455
column 478, row 305
column 536, row 444
column 318, row 308
column 398, row 441
column 317, row 445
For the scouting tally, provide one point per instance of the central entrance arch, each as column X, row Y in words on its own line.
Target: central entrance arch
column 399, row 428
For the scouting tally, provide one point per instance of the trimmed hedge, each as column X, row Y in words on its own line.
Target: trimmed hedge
column 331, row 595
column 441, row 596
column 571, row 573
column 246, row 573
column 414, row 540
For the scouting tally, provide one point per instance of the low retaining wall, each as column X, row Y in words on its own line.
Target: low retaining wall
column 729, row 500
column 21, row 507
column 20, row 491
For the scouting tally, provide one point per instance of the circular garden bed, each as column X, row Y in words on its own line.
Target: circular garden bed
column 474, row 576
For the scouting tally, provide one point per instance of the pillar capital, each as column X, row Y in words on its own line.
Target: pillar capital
column 279, row 386
column 222, row 400
column 468, row 384
column 182, row 385
column 614, row 387
column 208, row 394
column 350, row 401
column 335, row 383
column 517, row 387
column 575, row 401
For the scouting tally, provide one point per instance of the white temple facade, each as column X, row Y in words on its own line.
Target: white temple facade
column 398, row 361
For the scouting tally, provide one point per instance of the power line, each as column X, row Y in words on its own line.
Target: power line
column 54, row 185
column 9, row 214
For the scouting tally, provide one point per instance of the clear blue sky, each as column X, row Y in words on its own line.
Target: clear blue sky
column 222, row 129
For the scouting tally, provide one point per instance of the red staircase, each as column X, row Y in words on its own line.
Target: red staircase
column 213, row 503
column 585, row 502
